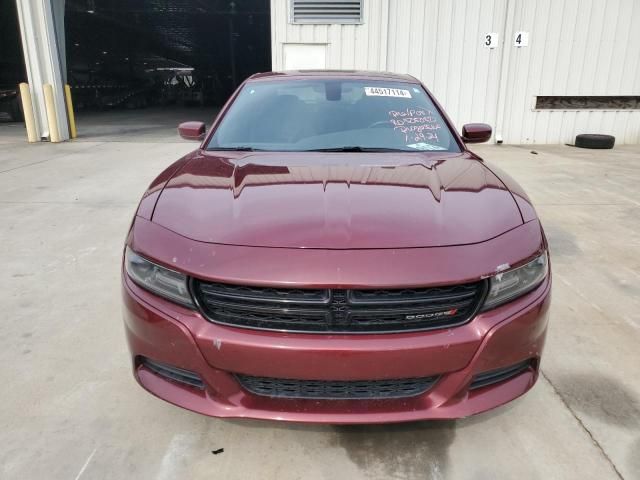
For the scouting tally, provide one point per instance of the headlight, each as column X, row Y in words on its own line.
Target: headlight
column 159, row 280
column 508, row 285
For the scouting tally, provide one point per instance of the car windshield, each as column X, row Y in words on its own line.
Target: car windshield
column 333, row 115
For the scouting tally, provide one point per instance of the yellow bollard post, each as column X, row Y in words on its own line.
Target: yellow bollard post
column 54, row 133
column 72, row 118
column 27, row 107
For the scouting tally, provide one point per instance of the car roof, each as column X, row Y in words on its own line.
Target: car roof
column 351, row 74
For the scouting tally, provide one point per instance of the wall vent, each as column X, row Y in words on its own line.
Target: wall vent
column 326, row 12
column 588, row 102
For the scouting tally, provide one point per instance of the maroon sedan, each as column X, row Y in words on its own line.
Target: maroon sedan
column 333, row 253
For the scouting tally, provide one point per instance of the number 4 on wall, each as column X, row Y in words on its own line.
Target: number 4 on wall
column 521, row 39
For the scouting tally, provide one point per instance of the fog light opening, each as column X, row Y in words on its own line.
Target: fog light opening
column 172, row 373
column 500, row 375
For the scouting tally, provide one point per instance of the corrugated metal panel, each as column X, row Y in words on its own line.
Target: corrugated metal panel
column 361, row 46
column 576, row 47
column 441, row 43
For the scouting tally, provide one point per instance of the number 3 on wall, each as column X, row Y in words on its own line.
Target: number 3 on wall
column 490, row 40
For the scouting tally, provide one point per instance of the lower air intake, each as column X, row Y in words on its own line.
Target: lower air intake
column 336, row 390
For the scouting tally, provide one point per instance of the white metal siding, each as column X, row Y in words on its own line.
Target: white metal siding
column 440, row 42
column 576, row 47
column 362, row 47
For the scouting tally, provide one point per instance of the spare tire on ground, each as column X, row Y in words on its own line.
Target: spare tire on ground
column 592, row 140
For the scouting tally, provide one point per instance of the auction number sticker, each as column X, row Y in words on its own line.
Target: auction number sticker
column 386, row 92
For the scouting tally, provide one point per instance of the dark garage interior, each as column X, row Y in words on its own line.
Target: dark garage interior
column 150, row 58
column 12, row 69
column 132, row 54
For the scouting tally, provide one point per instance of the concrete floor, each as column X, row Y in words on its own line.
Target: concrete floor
column 70, row 408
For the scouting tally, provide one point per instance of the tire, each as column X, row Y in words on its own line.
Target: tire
column 592, row 140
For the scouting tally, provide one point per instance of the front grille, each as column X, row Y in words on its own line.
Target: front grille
column 338, row 310
column 336, row 390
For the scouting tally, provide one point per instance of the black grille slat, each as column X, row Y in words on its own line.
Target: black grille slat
column 413, row 295
column 336, row 390
column 339, row 310
column 275, row 321
column 266, row 294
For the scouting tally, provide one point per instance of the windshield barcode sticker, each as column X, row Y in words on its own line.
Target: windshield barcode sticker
column 386, row 92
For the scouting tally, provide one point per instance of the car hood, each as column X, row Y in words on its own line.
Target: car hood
column 336, row 200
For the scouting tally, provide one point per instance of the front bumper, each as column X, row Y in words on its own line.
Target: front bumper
column 167, row 333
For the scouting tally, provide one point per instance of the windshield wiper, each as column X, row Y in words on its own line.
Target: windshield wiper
column 355, row 148
column 241, row 148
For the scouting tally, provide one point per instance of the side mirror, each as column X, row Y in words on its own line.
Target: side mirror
column 476, row 132
column 192, row 130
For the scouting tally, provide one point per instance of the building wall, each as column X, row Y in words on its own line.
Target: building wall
column 575, row 47
column 440, row 42
column 362, row 46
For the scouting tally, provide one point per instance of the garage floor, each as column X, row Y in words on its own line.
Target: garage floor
column 70, row 408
